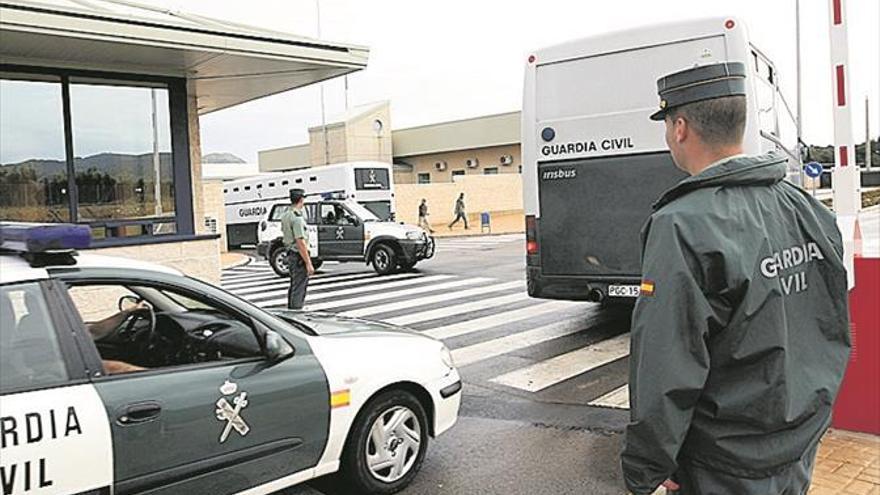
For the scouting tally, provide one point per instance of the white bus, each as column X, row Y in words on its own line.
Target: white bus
column 249, row 200
column 593, row 163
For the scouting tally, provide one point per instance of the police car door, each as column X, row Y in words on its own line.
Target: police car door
column 54, row 434
column 212, row 426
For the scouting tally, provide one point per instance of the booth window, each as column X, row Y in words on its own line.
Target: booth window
column 110, row 151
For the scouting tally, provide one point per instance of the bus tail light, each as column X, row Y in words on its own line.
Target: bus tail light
column 531, row 235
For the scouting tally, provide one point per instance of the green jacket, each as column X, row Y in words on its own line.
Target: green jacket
column 741, row 335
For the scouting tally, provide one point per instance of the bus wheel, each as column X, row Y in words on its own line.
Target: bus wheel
column 384, row 260
column 279, row 263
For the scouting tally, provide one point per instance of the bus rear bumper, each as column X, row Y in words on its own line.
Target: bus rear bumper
column 575, row 288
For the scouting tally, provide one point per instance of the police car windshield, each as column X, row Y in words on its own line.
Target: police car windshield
column 361, row 212
column 277, row 211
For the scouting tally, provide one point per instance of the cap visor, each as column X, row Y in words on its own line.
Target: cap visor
column 658, row 115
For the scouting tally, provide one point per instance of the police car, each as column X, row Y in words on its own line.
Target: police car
column 118, row 376
column 341, row 229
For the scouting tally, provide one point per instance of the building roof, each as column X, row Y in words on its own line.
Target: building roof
column 353, row 114
column 476, row 132
column 226, row 62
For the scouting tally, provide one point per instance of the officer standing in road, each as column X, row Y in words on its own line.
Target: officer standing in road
column 296, row 241
column 740, row 336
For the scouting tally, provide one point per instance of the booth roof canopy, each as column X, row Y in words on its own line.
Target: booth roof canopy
column 226, row 63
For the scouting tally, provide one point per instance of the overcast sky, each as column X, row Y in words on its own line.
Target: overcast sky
column 447, row 59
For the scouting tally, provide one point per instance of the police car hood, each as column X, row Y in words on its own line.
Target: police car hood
column 394, row 229
column 332, row 325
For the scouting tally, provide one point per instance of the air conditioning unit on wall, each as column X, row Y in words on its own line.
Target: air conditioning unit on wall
column 472, row 163
column 440, row 166
column 507, row 160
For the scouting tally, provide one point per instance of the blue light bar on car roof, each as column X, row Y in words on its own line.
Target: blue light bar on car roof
column 43, row 237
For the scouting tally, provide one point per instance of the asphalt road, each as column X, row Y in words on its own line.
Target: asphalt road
column 510, row 439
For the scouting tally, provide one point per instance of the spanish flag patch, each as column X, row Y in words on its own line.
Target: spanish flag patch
column 647, row 288
column 341, row 398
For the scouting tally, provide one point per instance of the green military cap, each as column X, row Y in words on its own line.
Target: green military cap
column 296, row 194
column 705, row 82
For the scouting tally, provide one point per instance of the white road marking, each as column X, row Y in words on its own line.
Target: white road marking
column 424, row 301
column 478, row 324
column 413, row 279
column 277, row 299
column 464, row 356
column 617, row 398
column 324, row 283
column 384, row 296
column 541, row 375
column 457, row 309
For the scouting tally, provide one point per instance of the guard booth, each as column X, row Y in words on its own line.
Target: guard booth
column 100, row 116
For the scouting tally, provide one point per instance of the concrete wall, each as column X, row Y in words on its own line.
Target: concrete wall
column 353, row 139
column 212, row 196
column 197, row 258
column 498, row 194
column 489, row 157
column 287, row 158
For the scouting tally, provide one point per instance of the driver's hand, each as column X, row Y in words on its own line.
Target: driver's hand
column 142, row 305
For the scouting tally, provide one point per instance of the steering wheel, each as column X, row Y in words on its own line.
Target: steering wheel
column 146, row 313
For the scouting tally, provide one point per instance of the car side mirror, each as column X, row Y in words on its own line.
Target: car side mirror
column 277, row 348
column 128, row 303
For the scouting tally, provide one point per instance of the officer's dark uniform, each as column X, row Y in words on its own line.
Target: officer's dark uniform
column 741, row 335
column 293, row 227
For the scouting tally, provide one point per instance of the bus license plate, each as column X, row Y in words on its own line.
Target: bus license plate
column 623, row 291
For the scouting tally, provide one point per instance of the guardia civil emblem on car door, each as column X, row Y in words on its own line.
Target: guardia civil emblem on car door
column 231, row 413
column 340, row 233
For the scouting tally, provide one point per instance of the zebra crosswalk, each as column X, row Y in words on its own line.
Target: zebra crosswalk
column 477, row 243
column 498, row 335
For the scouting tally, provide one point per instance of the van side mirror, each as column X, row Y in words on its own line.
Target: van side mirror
column 277, row 348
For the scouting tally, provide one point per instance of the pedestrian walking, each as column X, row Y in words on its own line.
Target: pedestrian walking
column 423, row 216
column 740, row 336
column 295, row 236
column 460, row 213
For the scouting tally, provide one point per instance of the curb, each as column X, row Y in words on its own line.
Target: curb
column 246, row 261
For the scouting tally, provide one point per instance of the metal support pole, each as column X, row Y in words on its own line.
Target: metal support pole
column 157, row 166
column 867, row 135
column 846, row 177
column 321, row 86
column 797, row 44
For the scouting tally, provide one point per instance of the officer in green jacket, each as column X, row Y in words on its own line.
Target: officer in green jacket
column 740, row 336
column 295, row 235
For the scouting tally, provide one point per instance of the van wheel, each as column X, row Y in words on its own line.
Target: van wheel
column 384, row 259
column 278, row 262
column 387, row 444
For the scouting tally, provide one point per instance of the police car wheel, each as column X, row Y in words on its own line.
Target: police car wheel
column 384, row 259
column 278, row 261
column 387, row 444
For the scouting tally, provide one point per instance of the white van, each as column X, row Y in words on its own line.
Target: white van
column 593, row 162
column 249, row 200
